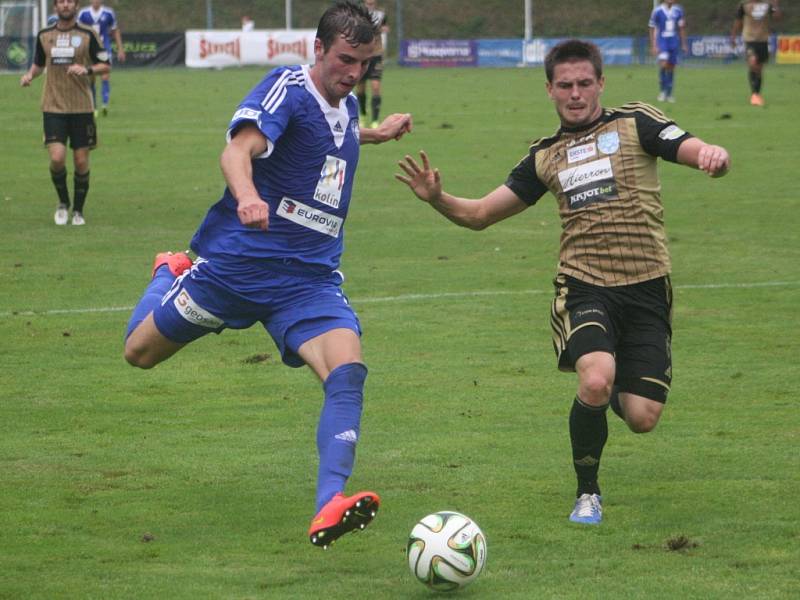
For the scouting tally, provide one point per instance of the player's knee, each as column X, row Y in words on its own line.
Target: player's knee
column 642, row 423
column 595, row 388
column 137, row 356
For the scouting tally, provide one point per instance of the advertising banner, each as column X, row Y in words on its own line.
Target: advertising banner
column 500, row 53
column 234, row 48
column 152, row 50
column 719, row 47
column 788, row 51
column 438, row 53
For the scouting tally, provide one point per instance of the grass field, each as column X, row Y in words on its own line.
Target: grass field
column 195, row 479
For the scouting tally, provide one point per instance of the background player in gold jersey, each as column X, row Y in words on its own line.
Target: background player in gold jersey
column 611, row 315
column 752, row 19
column 71, row 53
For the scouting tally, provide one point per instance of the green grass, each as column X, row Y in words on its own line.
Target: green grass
column 195, row 479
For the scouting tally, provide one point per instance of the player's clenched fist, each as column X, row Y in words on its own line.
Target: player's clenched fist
column 253, row 212
column 713, row 160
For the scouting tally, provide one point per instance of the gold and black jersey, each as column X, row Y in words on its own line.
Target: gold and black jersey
column 56, row 50
column 605, row 178
column 755, row 20
column 379, row 20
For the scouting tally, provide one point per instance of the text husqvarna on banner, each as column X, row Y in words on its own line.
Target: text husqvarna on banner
column 235, row 48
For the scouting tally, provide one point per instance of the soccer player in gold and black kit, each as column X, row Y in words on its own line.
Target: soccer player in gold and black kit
column 611, row 316
column 752, row 19
column 71, row 53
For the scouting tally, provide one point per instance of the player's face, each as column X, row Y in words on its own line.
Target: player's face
column 337, row 71
column 66, row 9
column 575, row 90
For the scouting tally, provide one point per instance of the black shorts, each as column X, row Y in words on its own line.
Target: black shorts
column 760, row 50
column 632, row 322
column 79, row 128
column 375, row 69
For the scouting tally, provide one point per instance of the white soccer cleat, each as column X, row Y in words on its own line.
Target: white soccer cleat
column 662, row 97
column 77, row 219
column 62, row 215
column 588, row 509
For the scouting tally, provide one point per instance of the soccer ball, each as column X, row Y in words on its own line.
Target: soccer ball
column 446, row 551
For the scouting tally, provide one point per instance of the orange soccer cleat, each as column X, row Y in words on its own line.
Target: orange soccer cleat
column 177, row 263
column 757, row 100
column 343, row 514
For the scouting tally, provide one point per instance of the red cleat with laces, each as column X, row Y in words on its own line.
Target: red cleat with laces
column 177, row 263
column 341, row 515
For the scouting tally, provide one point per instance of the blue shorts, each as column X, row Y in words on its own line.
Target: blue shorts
column 670, row 55
column 293, row 308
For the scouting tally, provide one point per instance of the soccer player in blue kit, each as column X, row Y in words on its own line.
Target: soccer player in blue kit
column 269, row 250
column 104, row 22
column 667, row 38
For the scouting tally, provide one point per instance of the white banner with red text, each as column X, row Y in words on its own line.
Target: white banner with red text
column 234, row 48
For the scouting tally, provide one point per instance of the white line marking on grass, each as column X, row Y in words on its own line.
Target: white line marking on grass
column 412, row 297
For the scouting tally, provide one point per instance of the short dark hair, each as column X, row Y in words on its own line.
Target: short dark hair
column 348, row 19
column 573, row 51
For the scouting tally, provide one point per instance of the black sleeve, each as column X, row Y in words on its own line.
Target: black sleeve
column 660, row 137
column 524, row 182
column 97, row 54
column 39, row 57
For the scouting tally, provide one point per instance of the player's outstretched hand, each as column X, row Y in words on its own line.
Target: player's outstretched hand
column 713, row 160
column 253, row 213
column 425, row 182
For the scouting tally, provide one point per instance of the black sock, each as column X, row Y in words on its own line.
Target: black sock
column 376, row 106
column 613, row 402
column 60, row 183
column 757, row 83
column 588, row 431
column 362, row 103
column 81, row 181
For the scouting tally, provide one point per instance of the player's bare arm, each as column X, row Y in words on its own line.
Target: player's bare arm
column 237, row 167
column 476, row 214
column 120, row 49
column 392, row 127
column 86, row 70
column 711, row 159
column 32, row 74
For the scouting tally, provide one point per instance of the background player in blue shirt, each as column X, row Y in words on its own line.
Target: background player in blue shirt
column 104, row 21
column 667, row 38
column 269, row 250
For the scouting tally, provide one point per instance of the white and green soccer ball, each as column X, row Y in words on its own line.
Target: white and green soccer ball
column 446, row 551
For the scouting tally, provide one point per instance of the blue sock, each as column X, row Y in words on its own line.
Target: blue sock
column 155, row 290
column 106, row 91
column 338, row 430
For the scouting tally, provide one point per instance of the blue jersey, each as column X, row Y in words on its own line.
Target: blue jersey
column 667, row 23
column 305, row 176
column 103, row 21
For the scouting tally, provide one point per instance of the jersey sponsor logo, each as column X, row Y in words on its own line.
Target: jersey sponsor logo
column 608, row 143
column 579, row 153
column 193, row 313
column 62, row 53
column 760, row 10
column 595, row 171
column 308, row 217
column 673, row 132
column 331, row 181
column 589, row 183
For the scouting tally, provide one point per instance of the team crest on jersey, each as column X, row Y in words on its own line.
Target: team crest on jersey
column 608, row 143
column 331, row 181
column 76, row 41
